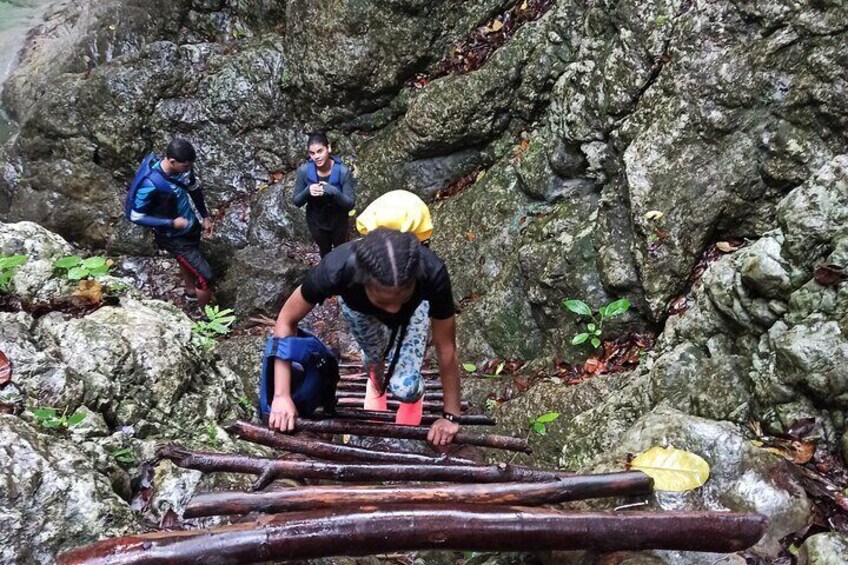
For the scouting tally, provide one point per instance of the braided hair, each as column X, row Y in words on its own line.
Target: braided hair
column 388, row 258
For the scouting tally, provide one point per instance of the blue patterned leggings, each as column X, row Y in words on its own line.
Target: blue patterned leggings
column 406, row 383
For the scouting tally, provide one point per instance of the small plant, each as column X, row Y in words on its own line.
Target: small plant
column 48, row 418
column 472, row 368
column 537, row 424
column 212, row 435
column 8, row 267
column 218, row 323
column 78, row 269
column 492, row 404
column 123, row 455
column 595, row 328
column 245, row 402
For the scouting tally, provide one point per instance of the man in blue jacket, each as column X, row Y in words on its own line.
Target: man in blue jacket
column 168, row 199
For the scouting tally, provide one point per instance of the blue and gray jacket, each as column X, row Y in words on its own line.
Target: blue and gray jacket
column 157, row 204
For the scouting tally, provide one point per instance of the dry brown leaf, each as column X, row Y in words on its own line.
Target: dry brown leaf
column 803, row 451
column 830, row 275
column 653, row 215
column 90, row 291
column 470, row 236
column 726, row 247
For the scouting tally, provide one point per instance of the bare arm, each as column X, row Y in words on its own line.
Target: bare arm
column 283, row 412
column 444, row 340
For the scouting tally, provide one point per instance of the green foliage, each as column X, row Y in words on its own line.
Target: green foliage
column 8, row 267
column 217, row 323
column 661, row 20
column 470, row 367
column 124, row 456
column 48, row 417
column 212, row 435
column 76, row 268
column 245, row 402
column 538, row 424
column 595, row 327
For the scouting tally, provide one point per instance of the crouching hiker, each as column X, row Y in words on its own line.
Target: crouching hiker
column 164, row 195
column 393, row 290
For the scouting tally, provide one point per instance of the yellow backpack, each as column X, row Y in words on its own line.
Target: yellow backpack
column 398, row 210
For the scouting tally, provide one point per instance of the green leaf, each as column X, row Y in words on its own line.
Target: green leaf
column 596, row 342
column 617, row 308
column 499, row 368
column 672, row 469
column 225, row 320
column 591, row 327
column 224, row 312
column 470, row 367
column 547, row 417
column 13, row 261
column 67, row 262
column 98, row 271
column 93, row 263
column 210, row 312
column 218, row 328
column 578, row 307
column 597, row 333
column 539, row 429
column 54, row 423
column 43, row 413
column 77, row 273
column 76, row 419
column 579, row 338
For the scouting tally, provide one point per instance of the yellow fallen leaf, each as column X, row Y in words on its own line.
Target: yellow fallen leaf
column 480, row 175
column 672, row 469
column 726, row 247
column 524, row 5
column 470, row 236
column 496, row 25
column 653, row 215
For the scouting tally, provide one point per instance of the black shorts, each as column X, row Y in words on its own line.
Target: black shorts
column 186, row 250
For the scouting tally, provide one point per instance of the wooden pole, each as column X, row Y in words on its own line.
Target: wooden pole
column 360, row 395
column 318, row 449
column 427, row 419
column 375, row 429
column 270, row 470
column 429, row 405
column 364, row 531
column 577, row 487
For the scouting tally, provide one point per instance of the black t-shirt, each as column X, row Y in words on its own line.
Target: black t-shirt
column 334, row 276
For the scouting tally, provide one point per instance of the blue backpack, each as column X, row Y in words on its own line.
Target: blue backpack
column 315, row 374
column 335, row 173
column 146, row 170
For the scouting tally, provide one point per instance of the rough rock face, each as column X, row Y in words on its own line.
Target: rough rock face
column 584, row 121
column 53, row 498
column 135, row 373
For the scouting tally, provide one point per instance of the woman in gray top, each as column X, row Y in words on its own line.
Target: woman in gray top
column 328, row 189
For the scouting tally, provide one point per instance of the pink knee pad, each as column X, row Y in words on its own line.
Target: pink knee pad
column 410, row 413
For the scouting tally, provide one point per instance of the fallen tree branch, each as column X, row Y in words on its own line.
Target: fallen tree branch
column 375, row 429
column 325, row 533
column 332, row 451
column 269, row 470
column 577, row 487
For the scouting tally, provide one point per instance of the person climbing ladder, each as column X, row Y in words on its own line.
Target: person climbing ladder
column 392, row 290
